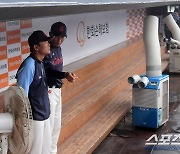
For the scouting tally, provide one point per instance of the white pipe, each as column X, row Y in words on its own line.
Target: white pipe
column 172, row 26
column 143, row 82
column 134, row 79
column 152, row 47
column 6, row 123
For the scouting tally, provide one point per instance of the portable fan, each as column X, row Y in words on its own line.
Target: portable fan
column 15, row 122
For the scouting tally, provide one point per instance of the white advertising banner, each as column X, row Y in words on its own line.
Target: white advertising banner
column 87, row 33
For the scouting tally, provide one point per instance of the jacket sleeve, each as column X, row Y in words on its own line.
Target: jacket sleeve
column 25, row 74
column 50, row 71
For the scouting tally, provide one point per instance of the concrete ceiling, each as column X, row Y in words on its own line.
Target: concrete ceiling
column 21, row 11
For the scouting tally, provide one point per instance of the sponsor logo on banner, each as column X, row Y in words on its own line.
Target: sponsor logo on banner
column 13, row 37
column 80, row 34
column 90, row 31
column 3, row 80
column 26, row 23
column 96, row 30
column 25, row 47
column 3, row 52
column 14, row 63
column 25, row 33
column 3, row 66
column 14, row 49
column 12, row 25
column 3, row 38
column 11, row 77
column 2, row 26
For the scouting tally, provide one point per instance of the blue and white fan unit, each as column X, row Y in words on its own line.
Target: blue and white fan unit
column 151, row 104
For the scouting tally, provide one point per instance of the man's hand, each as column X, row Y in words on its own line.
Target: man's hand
column 71, row 77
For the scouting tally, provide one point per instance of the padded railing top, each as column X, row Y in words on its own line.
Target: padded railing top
column 76, row 2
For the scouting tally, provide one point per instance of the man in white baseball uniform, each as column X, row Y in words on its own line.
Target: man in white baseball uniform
column 53, row 63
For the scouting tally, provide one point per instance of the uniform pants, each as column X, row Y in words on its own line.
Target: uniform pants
column 41, row 137
column 55, row 117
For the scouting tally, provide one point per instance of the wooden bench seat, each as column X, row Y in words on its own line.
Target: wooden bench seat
column 92, row 100
column 88, row 137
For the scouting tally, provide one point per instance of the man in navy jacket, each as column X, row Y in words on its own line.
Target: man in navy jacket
column 32, row 78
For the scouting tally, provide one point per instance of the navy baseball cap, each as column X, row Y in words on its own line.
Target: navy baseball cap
column 36, row 37
column 59, row 29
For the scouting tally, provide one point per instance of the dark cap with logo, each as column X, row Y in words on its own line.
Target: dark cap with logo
column 36, row 37
column 59, row 29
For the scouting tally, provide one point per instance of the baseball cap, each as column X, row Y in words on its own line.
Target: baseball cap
column 59, row 29
column 37, row 36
